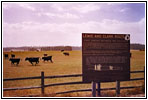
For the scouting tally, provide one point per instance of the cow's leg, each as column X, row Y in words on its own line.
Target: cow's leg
column 51, row 61
column 17, row 63
column 31, row 63
column 12, row 63
column 36, row 63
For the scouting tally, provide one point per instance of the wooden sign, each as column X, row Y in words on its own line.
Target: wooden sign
column 105, row 57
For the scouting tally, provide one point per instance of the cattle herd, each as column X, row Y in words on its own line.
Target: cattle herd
column 32, row 60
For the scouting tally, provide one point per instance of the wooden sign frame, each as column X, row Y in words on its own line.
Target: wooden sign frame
column 105, row 57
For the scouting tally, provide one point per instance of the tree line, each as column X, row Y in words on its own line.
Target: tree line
column 58, row 48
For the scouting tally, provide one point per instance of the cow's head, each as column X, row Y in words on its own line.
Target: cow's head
column 26, row 58
column 10, row 59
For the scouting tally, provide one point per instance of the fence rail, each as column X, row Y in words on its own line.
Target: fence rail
column 42, row 86
column 24, row 78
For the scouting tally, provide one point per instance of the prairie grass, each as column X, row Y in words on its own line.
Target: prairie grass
column 62, row 65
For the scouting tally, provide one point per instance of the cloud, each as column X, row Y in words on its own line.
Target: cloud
column 26, row 6
column 85, row 8
column 115, row 3
column 59, row 7
column 123, row 9
column 5, row 6
column 57, row 15
column 81, row 7
column 22, row 5
column 38, row 34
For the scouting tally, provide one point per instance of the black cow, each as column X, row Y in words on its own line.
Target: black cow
column 12, row 56
column 66, row 53
column 33, row 60
column 6, row 56
column 45, row 55
column 47, row 58
column 62, row 50
column 14, row 60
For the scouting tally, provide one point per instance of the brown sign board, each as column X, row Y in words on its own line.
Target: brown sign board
column 105, row 57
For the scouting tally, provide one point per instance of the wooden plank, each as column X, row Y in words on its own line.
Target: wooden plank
column 38, row 77
column 136, row 79
column 62, row 76
column 82, row 90
column 80, row 82
column 137, row 71
column 130, row 87
column 23, row 78
column 21, row 88
column 68, row 83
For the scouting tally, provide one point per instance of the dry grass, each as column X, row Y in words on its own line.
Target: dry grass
column 63, row 65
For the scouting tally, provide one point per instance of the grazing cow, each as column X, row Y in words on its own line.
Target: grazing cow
column 33, row 60
column 62, row 50
column 6, row 56
column 12, row 55
column 66, row 53
column 45, row 55
column 47, row 58
column 14, row 60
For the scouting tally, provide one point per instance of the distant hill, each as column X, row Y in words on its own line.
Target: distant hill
column 69, row 48
column 76, row 48
column 137, row 47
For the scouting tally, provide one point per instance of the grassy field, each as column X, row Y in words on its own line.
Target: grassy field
column 62, row 65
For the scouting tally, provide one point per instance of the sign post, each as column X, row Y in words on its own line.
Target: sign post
column 117, row 88
column 99, row 88
column 93, row 89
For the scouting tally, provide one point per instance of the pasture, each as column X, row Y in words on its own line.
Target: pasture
column 62, row 65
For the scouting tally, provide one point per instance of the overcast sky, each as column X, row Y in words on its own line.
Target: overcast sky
column 53, row 24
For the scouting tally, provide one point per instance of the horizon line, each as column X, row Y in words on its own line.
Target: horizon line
column 54, row 46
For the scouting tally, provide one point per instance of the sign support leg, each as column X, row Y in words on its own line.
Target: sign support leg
column 117, row 88
column 93, row 89
column 99, row 88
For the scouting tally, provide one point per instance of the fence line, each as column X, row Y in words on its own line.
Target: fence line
column 57, row 84
column 39, row 77
column 42, row 77
column 57, row 76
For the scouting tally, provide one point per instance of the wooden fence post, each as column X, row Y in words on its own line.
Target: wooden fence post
column 144, row 74
column 42, row 82
column 117, row 88
column 144, row 78
column 94, row 89
column 99, row 88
